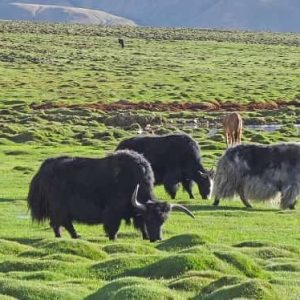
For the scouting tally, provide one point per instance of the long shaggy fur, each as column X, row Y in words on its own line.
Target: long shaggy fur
column 49, row 190
column 260, row 173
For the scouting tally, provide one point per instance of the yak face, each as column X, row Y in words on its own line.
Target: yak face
column 205, row 182
column 155, row 213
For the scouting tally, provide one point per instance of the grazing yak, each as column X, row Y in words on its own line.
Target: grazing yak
column 99, row 191
column 233, row 127
column 174, row 158
column 259, row 172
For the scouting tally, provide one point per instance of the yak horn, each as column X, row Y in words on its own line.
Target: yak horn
column 134, row 201
column 182, row 208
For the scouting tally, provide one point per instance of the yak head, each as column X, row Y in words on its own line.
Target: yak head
column 205, row 181
column 155, row 213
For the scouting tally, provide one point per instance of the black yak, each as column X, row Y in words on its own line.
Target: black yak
column 175, row 159
column 94, row 191
column 259, row 172
column 121, row 42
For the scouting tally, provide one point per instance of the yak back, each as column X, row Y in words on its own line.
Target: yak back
column 166, row 151
column 104, row 182
column 255, row 159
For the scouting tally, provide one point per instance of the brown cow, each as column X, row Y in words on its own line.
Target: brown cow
column 233, row 127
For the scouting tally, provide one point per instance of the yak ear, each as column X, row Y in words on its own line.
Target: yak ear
column 203, row 174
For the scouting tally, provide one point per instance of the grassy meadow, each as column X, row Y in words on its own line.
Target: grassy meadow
column 226, row 252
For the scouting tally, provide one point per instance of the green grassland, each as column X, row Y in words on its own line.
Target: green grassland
column 58, row 66
column 226, row 252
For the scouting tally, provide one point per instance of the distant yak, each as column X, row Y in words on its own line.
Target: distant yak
column 175, row 159
column 121, row 42
column 259, row 172
column 233, row 128
column 94, row 191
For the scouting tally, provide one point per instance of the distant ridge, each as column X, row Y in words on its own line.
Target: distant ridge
column 255, row 15
column 57, row 13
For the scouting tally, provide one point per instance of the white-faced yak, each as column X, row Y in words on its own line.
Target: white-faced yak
column 175, row 158
column 99, row 191
column 259, row 172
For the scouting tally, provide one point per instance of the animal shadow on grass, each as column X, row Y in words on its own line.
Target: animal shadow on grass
column 228, row 208
column 3, row 200
column 23, row 241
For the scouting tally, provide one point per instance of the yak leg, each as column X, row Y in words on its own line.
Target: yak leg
column 111, row 223
column 140, row 224
column 188, row 185
column 56, row 229
column 216, row 202
column 288, row 197
column 70, row 228
column 171, row 184
column 227, row 139
column 244, row 199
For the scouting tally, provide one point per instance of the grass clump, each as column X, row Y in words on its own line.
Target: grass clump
column 270, row 252
column 252, row 244
column 221, row 282
column 176, row 265
column 38, row 275
column 11, row 247
column 35, row 291
column 133, row 288
column 149, row 292
column 253, row 289
column 74, row 247
column 129, row 248
column 32, row 265
column 190, row 284
column 288, row 267
column 120, row 266
column 243, row 263
column 66, row 257
column 182, row 241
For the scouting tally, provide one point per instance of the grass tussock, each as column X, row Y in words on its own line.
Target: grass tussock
column 133, row 288
column 126, row 248
column 251, row 289
column 178, row 264
column 182, row 241
column 74, row 247
column 243, row 263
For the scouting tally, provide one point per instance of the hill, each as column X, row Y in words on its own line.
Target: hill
column 58, row 13
column 263, row 15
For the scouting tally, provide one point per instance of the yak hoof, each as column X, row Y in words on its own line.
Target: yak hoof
column 216, row 203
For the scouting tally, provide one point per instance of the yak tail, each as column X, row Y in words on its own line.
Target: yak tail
column 36, row 200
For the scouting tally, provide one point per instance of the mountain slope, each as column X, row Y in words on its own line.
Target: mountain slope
column 58, row 13
column 272, row 15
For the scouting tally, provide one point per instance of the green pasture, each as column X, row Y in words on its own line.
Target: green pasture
column 224, row 253
column 41, row 62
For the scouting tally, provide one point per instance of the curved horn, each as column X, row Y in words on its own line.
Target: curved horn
column 182, row 208
column 203, row 174
column 134, row 201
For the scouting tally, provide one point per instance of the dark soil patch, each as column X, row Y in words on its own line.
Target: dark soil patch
column 171, row 106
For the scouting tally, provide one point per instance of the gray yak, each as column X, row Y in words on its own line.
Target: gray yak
column 99, row 191
column 259, row 172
